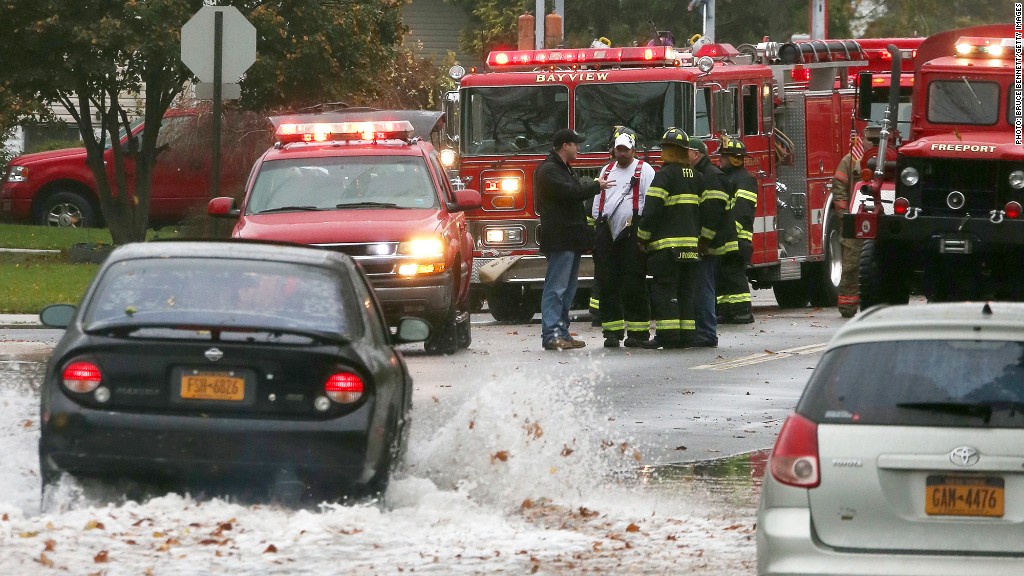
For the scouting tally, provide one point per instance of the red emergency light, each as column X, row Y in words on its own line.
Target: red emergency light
column 717, row 51
column 801, row 74
column 978, row 47
column 340, row 131
column 651, row 55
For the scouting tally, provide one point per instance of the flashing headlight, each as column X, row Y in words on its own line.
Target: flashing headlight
column 333, row 131
column 635, row 55
column 504, row 235
column 910, row 176
column 17, row 174
column 426, row 256
column 502, row 184
column 978, row 47
column 448, row 157
column 1017, row 179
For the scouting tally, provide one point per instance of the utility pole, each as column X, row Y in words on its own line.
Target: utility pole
column 708, row 7
column 819, row 19
column 539, row 12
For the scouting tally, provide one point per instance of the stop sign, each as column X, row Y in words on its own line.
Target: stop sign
column 238, row 41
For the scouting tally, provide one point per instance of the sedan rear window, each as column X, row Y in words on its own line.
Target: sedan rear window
column 205, row 292
column 963, row 383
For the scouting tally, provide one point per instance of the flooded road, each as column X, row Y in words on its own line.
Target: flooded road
column 515, row 475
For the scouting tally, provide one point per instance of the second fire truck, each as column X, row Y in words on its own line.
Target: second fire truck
column 795, row 134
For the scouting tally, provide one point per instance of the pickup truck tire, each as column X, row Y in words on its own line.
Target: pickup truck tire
column 882, row 276
column 444, row 338
column 65, row 209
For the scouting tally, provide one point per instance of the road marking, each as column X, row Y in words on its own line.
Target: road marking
column 763, row 357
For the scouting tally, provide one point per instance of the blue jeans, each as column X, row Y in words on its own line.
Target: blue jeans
column 704, row 301
column 559, row 292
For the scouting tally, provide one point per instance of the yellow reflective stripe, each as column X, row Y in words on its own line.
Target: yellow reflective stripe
column 643, row 234
column 731, row 203
column 595, row 303
column 688, row 325
column 714, row 195
column 663, row 243
column 707, row 233
column 747, row 195
column 734, row 298
column 614, row 325
column 744, row 235
column 656, row 192
column 732, row 246
column 682, row 199
column 667, row 324
column 635, row 326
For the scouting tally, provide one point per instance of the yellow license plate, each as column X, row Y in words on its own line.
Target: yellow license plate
column 212, row 386
column 964, row 496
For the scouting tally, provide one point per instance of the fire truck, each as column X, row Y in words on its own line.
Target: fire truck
column 795, row 133
column 954, row 229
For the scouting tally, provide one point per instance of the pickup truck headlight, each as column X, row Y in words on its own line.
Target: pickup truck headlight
column 422, row 255
column 17, row 174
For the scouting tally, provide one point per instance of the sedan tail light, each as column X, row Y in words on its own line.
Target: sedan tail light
column 344, row 387
column 81, row 377
column 795, row 458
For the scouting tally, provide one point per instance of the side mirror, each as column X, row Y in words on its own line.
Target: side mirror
column 466, row 199
column 864, row 84
column 223, row 207
column 57, row 315
column 412, row 330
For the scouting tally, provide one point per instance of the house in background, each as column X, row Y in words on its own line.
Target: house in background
column 437, row 25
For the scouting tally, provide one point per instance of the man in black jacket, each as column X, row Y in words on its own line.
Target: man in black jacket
column 564, row 235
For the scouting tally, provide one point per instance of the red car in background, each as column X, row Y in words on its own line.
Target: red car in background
column 372, row 190
column 57, row 188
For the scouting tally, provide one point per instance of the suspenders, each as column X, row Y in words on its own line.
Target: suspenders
column 636, row 188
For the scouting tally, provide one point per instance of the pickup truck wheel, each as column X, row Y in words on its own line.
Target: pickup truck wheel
column 444, row 340
column 511, row 303
column 67, row 210
column 463, row 330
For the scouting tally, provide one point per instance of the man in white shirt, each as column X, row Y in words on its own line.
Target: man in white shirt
column 625, row 306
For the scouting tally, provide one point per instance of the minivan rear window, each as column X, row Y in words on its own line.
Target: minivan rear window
column 962, row 383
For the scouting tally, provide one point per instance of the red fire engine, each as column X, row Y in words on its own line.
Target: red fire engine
column 795, row 133
column 954, row 230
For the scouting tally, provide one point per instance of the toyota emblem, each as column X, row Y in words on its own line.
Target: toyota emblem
column 964, row 456
column 213, row 354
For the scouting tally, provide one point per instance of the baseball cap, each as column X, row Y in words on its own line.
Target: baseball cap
column 697, row 144
column 565, row 135
column 626, row 140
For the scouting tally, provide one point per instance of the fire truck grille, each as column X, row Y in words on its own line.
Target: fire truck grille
column 978, row 180
column 376, row 258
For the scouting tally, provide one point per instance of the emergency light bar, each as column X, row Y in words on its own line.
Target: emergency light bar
column 335, row 131
column 974, row 46
column 651, row 55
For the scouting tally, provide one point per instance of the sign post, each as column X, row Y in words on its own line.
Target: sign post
column 217, row 43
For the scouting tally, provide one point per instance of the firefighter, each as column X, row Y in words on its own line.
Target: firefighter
column 717, row 236
column 842, row 185
column 618, row 263
column 732, row 288
column 668, row 232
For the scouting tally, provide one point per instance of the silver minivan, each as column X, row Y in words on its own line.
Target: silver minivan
column 905, row 454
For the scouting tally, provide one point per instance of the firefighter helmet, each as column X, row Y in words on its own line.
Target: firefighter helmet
column 733, row 147
column 675, row 137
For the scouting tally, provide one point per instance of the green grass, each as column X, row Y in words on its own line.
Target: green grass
column 29, row 283
column 48, row 238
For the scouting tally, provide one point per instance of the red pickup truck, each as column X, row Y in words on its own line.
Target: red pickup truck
column 57, row 188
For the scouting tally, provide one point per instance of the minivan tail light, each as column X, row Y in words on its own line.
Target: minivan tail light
column 794, row 459
column 81, row 377
column 344, row 387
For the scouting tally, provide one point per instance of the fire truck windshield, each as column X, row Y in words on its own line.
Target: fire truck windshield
column 646, row 107
column 963, row 102
column 504, row 119
column 880, row 101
